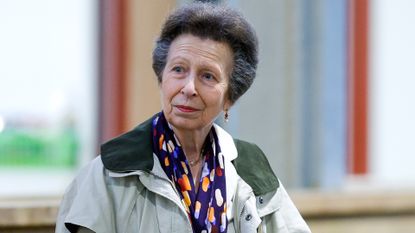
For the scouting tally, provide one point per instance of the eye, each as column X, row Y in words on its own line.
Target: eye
column 178, row 69
column 208, row 76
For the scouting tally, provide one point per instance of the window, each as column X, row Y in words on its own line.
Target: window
column 47, row 94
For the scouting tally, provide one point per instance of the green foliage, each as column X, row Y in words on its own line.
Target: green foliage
column 38, row 148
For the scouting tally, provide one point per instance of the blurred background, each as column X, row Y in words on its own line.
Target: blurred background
column 332, row 105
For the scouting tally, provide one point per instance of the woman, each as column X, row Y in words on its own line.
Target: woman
column 178, row 171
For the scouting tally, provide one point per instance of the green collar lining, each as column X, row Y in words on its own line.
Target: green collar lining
column 131, row 151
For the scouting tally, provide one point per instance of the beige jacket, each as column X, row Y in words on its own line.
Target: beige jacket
column 126, row 190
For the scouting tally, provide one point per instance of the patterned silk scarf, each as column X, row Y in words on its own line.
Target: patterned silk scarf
column 206, row 207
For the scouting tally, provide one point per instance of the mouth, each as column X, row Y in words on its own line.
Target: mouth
column 185, row 108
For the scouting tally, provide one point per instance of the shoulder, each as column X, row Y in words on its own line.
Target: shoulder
column 79, row 198
column 253, row 167
column 93, row 196
column 96, row 179
column 90, row 174
column 245, row 149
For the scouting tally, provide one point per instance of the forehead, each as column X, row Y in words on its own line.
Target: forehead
column 200, row 48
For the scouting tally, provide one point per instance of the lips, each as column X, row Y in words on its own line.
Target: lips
column 185, row 108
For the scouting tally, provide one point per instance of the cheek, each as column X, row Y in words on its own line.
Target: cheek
column 163, row 94
column 215, row 100
column 221, row 93
column 167, row 93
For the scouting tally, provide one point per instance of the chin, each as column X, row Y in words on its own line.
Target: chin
column 186, row 124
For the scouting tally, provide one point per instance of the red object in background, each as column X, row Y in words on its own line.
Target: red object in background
column 358, row 86
column 113, row 68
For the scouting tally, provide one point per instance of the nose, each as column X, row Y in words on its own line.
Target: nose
column 189, row 88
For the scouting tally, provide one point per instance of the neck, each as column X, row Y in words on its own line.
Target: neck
column 192, row 141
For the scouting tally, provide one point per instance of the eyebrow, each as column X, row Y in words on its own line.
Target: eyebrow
column 205, row 65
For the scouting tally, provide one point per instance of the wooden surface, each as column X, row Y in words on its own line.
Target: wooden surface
column 379, row 211
column 357, row 212
column 17, row 213
column 319, row 204
column 363, row 224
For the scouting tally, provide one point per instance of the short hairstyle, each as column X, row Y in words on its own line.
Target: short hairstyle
column 218, row 23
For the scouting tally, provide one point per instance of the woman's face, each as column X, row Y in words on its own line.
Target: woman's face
column 194, row 82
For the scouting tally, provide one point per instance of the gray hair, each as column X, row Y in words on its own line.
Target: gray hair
column 218, row 23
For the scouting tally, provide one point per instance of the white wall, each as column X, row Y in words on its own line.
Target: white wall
column 392, row 92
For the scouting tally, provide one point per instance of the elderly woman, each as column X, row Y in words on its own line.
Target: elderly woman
column 179, row 171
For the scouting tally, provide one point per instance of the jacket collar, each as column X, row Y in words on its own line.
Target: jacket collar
column 226, row 143
column 133, row 151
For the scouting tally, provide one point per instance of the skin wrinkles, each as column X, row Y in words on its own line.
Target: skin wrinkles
column 193, row 88
column 217, row 68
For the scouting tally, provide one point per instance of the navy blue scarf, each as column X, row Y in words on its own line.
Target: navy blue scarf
column 206, row 207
